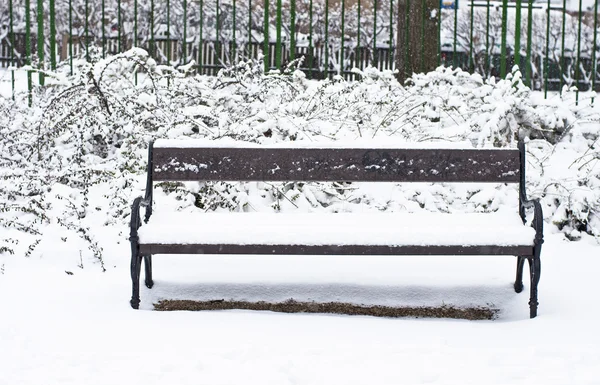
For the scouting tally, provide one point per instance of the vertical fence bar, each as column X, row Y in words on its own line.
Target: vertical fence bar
column 87, row 33
column 391, row 56
column 375, row 58
column 546, row 63
column 310, row 38
column 119, row 27
column 169, row 30
column 439, row 52
column 454, row 56
column 12, row 47
column 200, row 42
column 52, row 35
column 28, row 49
column 152, row 40
column 594, row 48
column 218, row 33
column 234, row 44
column 71, row 35
column 40, row 39
column 407, row 40
column 135, row 31
column 103, row 29
column 488, row 63
column 471, row 56
column 184, row 55
column 266, row 36
column 422, row 53
column 327, row 38
column 341, row 61
column 517, row 53
column 278, row 37
column 357, row 52
column 249, row 27
column 578, row 68
column 563, row 63
column 292, row 30
column 503, row 39
column 529, row 66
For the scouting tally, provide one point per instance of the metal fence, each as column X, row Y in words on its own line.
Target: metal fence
column 554, row 44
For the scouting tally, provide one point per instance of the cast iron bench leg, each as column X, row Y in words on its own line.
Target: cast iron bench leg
column 534, row 271
column 136, row 264
column 148, row 269
column 519, row 279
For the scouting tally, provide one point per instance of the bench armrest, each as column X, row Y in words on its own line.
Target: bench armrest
column 524, row 203
column 146, row 201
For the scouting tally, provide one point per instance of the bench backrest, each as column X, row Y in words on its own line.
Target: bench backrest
column 169, row 163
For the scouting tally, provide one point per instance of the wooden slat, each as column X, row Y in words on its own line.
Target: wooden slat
column 150, row 249
column 335, row 164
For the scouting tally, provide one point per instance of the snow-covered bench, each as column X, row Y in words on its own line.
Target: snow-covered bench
column 500, row 233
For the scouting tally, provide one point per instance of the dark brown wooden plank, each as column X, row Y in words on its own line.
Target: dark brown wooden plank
column 148, row 249
column 336, row 164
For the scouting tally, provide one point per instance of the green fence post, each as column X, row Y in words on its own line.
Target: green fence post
column 578, row 68
column 517, row 52
column 40, row 39
column 28, row 48
column 135, row 23
column 184, row 42
column 454, row 56
column 217, row 35
column 391, row 56
column 357, row 53
column 488, row 62
column 562, row 44
column 310, row 39
column 249, row 27
column 341, row 60
column 119, row 27
column 12, row 47
column 52, row 35
column 422, row 59
column 135, row 31
column 152, row 40
column 87, row 35
column 169, row 30
column 234, row 45
column 292, row 30
column 103, row 29
column 547, row 54
column 71, row 35
column 503, row 39
column 266, row 36
column 471, row 56
column 439, row 53
column 594, row 48
column 200, row 42
column 407, row 41
column 529, row 66
column 375, row 58
column 278, row 40
column 327, row 38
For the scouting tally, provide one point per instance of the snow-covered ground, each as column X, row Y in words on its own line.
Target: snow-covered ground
column 79, row 329
column 66, row 321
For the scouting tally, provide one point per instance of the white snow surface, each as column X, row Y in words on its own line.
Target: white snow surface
column 503, row 228
column 79, row 329
column 357, row 143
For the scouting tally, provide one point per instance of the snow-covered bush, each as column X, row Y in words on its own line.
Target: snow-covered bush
column 78, row 156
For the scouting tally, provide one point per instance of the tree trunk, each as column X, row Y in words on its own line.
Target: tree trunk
column 418, row 37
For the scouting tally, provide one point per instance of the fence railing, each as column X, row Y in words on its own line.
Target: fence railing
column 553, row 45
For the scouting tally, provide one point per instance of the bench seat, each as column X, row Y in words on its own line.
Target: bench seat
column 342, row 233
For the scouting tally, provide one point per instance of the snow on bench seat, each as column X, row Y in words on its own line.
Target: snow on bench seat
column 386, row 229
